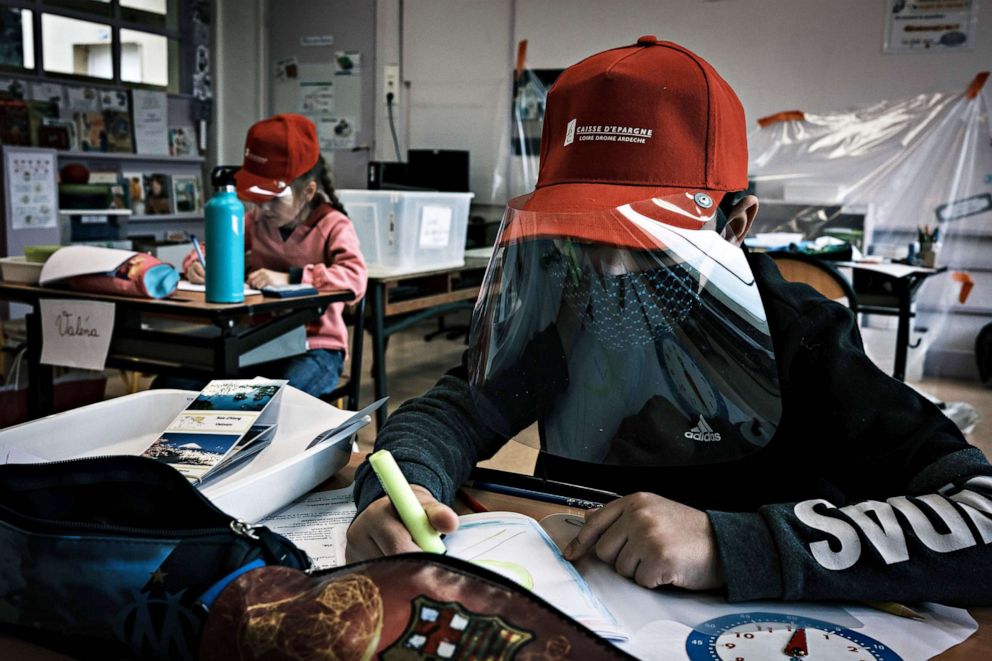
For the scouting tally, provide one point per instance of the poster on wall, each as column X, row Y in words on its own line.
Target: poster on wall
column 31, row 191
column 151, row 122
column 929, row 25
column 316, row 97
column 347, row 63
column 336, row 132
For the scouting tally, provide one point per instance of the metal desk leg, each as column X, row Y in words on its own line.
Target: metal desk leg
column 41, row 388
column 902, row 334
column 377, row 295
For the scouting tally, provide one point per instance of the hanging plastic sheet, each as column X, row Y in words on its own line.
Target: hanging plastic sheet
column 922, row 168
column 515, row 172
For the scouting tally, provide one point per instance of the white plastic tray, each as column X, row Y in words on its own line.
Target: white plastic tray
column 280, row 473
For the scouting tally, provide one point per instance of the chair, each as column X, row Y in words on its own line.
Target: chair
column 819, row 274
column 350, row 385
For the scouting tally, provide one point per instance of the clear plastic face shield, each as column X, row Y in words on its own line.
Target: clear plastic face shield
column 634, row 335
column 275, row 209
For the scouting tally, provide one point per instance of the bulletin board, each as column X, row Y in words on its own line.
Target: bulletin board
column 324, row 68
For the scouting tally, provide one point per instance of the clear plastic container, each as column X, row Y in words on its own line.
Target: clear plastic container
column 405, row 230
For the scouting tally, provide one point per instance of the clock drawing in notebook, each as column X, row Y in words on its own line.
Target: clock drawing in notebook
column 757, row 636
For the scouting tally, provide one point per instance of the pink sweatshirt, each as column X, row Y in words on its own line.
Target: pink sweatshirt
column 326, row 247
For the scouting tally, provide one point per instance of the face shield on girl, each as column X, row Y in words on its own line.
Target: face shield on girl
column 289, row 207
column 634, row 335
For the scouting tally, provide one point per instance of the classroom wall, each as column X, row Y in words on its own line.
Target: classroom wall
column 351, row 23
column 778, row 54
column 240, row 46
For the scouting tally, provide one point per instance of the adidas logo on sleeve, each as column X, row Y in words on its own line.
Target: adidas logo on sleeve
column 703, row 432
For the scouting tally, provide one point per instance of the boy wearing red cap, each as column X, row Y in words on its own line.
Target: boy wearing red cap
column 756, row 447
column 297, row 231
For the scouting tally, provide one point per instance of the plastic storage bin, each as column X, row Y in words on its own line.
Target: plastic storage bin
column 19, row 269
column 406, row 230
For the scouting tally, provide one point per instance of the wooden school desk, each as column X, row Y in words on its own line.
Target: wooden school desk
column 399, row 299
column 889, row 289
column 978, row 646
column 208, row 339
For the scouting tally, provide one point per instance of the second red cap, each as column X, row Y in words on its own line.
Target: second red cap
column 277, row 151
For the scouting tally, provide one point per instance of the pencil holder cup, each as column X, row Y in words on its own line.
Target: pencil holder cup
column 928, row 253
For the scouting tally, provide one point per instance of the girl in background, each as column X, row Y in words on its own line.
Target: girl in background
column 296, row 231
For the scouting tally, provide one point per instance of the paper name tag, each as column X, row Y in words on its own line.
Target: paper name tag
column 435, row 227
column 76, row 333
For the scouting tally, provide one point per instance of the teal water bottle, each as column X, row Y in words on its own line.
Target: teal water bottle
column 224, row 216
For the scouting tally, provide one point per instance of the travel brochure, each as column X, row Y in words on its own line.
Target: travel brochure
column 229, row 422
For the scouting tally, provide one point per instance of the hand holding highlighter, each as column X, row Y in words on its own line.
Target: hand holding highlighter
column 405, row 501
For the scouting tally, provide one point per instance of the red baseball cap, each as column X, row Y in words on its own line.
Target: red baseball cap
column 648, row 120
column 277, row 151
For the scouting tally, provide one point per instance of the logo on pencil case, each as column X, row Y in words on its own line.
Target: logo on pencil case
column 446, row 630
column 703, row 432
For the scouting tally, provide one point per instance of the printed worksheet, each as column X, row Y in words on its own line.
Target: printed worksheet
column 318, row 524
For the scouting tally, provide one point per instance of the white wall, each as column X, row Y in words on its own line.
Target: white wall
column 777, row 54
column 240, row 46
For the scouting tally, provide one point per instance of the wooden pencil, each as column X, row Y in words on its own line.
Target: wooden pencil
column 895, row 608
column 472, row 503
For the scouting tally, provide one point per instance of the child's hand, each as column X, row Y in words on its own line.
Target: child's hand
column 654, row 541
column 196, row 273
column 379, row 531
column 265, row 277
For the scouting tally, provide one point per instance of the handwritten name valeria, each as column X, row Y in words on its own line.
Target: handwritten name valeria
column 72, row 325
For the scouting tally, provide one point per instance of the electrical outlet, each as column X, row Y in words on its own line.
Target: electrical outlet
column 391, row 84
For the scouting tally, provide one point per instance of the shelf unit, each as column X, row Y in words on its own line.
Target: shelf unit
column 127, row 156
column 157, row 225
column 125, row 163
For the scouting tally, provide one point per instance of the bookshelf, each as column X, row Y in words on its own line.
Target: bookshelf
column 124, row 156
column 124, row 164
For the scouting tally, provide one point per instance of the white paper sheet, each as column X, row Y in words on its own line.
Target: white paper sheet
column 516, row 546
column 318, row 524
column 435, row 227
column 151, row 125
column 76, row 333
column 82, row 260
column 31, row 190
column 186, row 285
column 660, row 621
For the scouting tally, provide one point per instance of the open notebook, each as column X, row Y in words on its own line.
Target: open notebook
column 517, row 547
column 510, row 544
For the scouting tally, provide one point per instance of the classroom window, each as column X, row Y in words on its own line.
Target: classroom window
column 72, row 46
column 155, row 13
column 150, row 59
column 16, row 38
column 97, row 7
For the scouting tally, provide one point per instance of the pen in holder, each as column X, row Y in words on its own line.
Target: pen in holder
column 929, row 245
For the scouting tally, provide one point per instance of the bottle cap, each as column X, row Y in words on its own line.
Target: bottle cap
column 222, row 176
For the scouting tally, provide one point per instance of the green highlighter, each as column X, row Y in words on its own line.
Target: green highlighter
column 405, row 501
